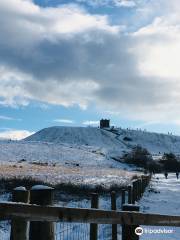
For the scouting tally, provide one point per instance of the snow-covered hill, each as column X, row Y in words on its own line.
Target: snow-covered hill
column 156, row 143
column 66, row 154
column 112, row 142
column 102, row 140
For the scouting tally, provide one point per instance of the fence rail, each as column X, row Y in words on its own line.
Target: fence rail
column 49, row 222
column 28, row 212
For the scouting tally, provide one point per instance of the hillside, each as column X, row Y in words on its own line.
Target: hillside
column 155, row 143
column 77, row 155
column 103, row 140
column 113, row 142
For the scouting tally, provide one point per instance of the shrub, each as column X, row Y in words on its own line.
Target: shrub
column 154, row 167
column 138, row 156
column 128, row 139
column 170, row 162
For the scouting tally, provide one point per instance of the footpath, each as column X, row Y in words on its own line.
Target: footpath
column 163, row 197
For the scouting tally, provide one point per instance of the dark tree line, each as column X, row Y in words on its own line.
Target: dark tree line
column 140, row 157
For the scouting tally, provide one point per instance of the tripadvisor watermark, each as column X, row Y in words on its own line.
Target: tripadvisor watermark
column 139, row 231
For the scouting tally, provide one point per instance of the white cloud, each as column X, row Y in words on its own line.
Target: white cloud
column 9, row 118
column 15, row 134
column 90, row 122
column 110, row 3
column 124, row 3
column 67, row 121
column 161, row 43
column 68, row 56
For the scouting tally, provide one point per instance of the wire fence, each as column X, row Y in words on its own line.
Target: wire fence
column 71, row 231
column 5, row 230
column 81, row 231
column 68, row 231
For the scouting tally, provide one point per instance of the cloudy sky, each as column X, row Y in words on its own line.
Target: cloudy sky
column 73, row 62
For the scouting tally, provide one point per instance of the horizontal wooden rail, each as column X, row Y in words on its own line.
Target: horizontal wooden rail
column 9, row 211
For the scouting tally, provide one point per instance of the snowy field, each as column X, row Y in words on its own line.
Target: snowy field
column 57, row 163
column 163, row 200
column 90, row 177
column 80, row 155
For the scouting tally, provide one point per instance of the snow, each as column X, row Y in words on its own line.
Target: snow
column 84, row 157
column 101, row 140
column 52, row 153
column 111, row 142
column 155, row 143
column 79, row 155
column 164, row 199
column 4, row 225
column 41, row 187
column 20, row 189
column 62, row 162
column 90, row 177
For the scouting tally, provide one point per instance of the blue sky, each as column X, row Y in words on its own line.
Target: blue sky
column 74, row 62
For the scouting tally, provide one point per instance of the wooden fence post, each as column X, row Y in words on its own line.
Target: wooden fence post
column 134, row 192
column 129, row 194
column 143, row 183
column 139, row 189
column 93, row 226
column 113, row 207
column 41, row 195
column 123, row 195
column 128, row 231
column 19, row 228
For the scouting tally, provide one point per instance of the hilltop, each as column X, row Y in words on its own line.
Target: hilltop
column 111, row 141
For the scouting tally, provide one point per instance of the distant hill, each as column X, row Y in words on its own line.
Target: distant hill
column 111, row 141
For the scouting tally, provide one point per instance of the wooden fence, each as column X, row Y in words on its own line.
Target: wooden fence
column 35, row 207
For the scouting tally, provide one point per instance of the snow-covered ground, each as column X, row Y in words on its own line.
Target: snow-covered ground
column 82, row 155
column 86, row 137
column 155, row 143
column 54, row 153
column 164, row 199
column 58, row 163
column 112, row 142
column 4, row 225
column 82, row 177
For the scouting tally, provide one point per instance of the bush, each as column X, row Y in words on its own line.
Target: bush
column 128, row 139
column 154, row 167
column 170, row 162
column 138, row 156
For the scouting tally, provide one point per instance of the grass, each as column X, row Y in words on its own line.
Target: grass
column 65, row 178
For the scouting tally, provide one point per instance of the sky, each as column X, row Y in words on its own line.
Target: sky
column 72, row 63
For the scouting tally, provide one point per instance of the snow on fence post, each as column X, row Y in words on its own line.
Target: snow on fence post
column 41, row 195
column 129, row 194
column 93, row 226
column 113, row 207
column 128, row 231
column 123, row 192
column 19, row 228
